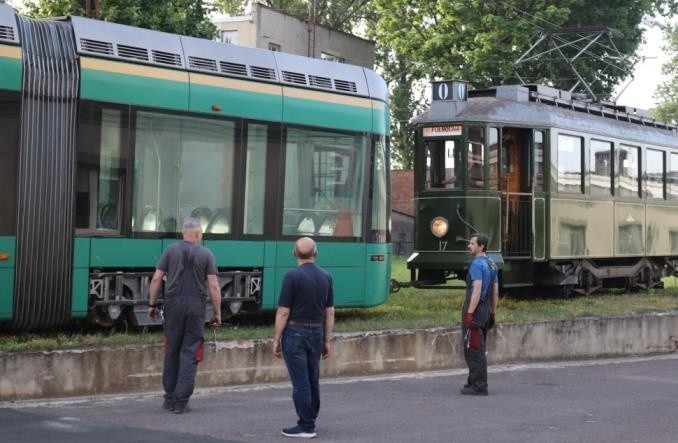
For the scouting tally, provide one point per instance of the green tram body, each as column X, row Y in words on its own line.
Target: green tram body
column 261, row 147
column 573, row 195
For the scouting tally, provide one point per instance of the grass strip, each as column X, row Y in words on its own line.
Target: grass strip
column 408, row 309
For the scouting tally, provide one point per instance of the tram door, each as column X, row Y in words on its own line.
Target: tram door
column 516, row 192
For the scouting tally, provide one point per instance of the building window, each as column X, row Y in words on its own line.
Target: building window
column 230, row 37
column 274, row 47
column 332, row 58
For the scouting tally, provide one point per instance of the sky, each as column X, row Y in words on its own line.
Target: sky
column 647, row 73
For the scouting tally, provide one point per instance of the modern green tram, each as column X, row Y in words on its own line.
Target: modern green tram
column 573, row 195
column 111, row 135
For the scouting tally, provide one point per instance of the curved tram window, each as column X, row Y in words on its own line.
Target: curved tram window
column 380, row 215
column 183, row 167
column 324, row 175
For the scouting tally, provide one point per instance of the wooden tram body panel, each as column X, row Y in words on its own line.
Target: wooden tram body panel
column 579, row 199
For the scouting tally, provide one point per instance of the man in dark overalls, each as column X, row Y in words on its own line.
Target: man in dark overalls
column 480, row 306
column 303, row 332
column 190, row 269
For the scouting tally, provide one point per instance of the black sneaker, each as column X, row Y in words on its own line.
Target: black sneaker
column 298, row 433
column 181, row 409
column 168, row 405
column 471, row 391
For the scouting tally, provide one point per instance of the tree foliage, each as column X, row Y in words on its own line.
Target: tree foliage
column 667, row 92
column 479, row 40
column 185, row 17
column 343, row 15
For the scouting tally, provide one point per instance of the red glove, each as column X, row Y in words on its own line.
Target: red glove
column 468, row 320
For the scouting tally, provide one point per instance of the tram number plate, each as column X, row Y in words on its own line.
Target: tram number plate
column 442, row 245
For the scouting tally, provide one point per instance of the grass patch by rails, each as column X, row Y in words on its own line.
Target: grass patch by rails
column 408, row 309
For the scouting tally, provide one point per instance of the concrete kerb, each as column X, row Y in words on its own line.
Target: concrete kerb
column 138, row 368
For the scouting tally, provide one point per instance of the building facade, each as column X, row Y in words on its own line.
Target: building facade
column 266, row 28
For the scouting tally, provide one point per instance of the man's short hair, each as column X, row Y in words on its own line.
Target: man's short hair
column 191, row 224
column 481, row 239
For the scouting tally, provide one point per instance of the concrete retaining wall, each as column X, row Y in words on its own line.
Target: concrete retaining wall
column 138, row 368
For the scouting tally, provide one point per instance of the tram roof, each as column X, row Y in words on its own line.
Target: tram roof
column 528, row 106
column 96, row 38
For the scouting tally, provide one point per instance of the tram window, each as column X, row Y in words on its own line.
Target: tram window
column 673, row 176
column 443, row 164
column 569, row 163
column 476, row 157
column 493, row 140
column 654, row 174
column 183, row 167
column 9, row 148
column 600, row 167
column 324, row 173
column 380, row 214
column 629, row 171
column 538, row 160
column 255, row 182
column 101, row 167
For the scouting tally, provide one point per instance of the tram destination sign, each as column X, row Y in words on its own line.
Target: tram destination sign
column 442, row 131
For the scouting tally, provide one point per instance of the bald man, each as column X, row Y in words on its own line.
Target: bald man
column 303, row 331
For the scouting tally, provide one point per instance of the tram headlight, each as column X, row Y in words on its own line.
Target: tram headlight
column 439, row 226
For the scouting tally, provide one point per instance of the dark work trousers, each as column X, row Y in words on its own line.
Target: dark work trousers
column 474, row 344
column 184, row 326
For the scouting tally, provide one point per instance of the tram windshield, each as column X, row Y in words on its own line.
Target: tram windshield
column 443, row 164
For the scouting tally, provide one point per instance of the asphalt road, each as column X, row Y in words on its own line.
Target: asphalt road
column 626, row 400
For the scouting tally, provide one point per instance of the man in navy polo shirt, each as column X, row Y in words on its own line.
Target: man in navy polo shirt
column 303, row 331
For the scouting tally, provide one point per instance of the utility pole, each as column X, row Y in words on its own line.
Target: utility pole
column 311, row 28
column 92, row 8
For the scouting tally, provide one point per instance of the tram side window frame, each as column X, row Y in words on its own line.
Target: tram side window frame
column 539, row 140
column 648, row 178
column 564, row 151
column 175, row 203
column 672, row 176
column 593, row 167
column 93, row 136
column 10, row 115
column 621, row 172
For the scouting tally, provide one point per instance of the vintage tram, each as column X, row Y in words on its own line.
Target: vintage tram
column 111, row 135
column 574, row 195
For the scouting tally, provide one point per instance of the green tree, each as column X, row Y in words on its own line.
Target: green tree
column 478, row 41
column 185, row 17
column 343, row 15
column 667, row 92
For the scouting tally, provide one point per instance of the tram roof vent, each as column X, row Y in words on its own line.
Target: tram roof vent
column 8, row 26
column 513, row 92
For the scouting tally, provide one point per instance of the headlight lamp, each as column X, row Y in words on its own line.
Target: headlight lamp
column 439, row 226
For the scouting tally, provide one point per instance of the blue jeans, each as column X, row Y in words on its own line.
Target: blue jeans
column 302, row 348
